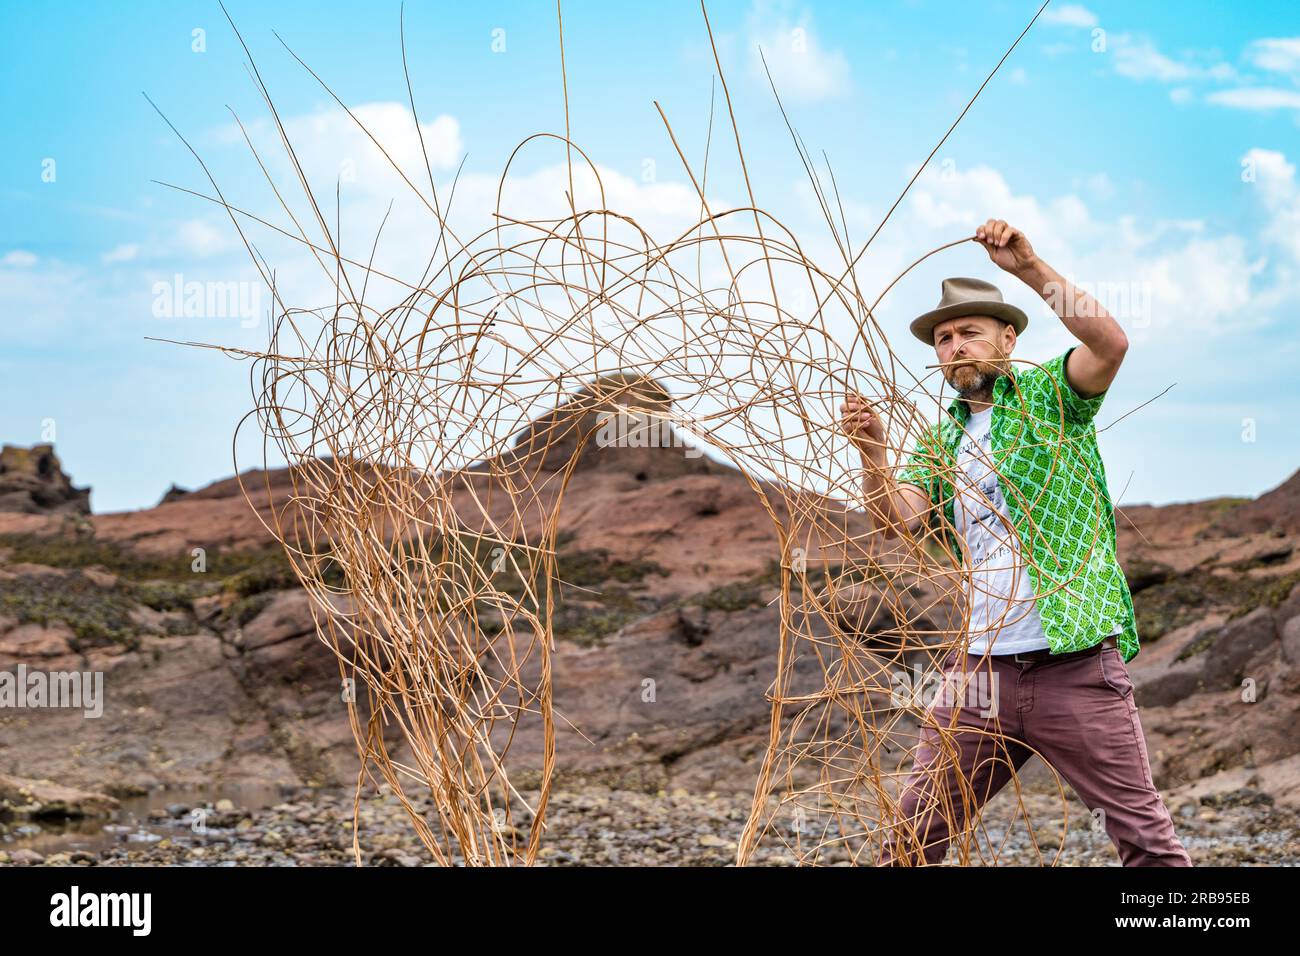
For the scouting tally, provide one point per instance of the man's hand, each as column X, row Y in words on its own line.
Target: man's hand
column 1007, row 246
column 860, row 422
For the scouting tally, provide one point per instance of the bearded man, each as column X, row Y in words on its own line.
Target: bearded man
column 1013, row 470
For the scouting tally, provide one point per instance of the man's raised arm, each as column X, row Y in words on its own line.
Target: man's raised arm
column 1094, row 364
column 892, row 505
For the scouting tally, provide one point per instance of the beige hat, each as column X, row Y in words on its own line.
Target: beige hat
column 968, row 297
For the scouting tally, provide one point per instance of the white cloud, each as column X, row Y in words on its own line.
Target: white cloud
column 45, row 299
column 1276, row 54
column 1256, row 99
column 123, row 253
column 1140, row 60
column 1097, row 186
column 1276, row 181
column 801, row 68
column 392, row 125
column 1070, row 15
column 199, row 238
column 324, row 141
column 335, row 149
column 1194, row 277
column 19, row 258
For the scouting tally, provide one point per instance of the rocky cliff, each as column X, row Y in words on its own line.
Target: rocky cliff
column 217, row 674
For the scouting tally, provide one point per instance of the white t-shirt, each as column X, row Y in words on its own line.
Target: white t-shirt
column 1000, row 595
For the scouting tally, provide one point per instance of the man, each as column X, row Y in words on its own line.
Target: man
column 1013, row 470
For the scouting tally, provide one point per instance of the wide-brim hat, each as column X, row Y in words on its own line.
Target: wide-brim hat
column 968, row 297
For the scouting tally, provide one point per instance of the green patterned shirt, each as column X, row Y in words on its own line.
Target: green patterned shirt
column 1044, row 447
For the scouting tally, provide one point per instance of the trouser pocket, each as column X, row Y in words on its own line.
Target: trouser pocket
column 1114, row 672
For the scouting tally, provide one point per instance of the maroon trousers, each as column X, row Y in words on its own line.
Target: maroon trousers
column 1077, row 712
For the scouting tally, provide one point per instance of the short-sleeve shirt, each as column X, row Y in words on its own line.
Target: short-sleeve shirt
column 1052, row 480
column 1002, row 609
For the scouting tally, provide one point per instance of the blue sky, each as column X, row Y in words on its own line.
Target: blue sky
column 1151, row 146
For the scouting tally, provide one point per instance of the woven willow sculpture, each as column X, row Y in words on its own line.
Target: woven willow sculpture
column 431, row 441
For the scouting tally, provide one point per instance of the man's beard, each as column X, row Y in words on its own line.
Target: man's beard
column 974, row 380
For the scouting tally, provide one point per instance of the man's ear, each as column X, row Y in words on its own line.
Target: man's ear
column 1008, row 337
